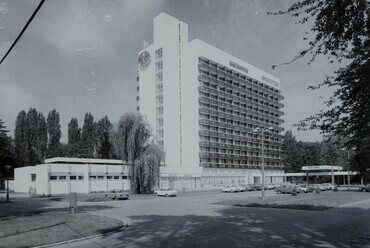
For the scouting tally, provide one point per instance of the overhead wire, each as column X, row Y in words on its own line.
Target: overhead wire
column 24, row 29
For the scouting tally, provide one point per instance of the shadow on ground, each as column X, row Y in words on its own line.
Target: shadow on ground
column 35, row 204
column 247, row 227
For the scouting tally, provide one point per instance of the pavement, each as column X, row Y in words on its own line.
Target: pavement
column 209, row 219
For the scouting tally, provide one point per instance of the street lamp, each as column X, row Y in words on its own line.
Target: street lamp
column 7, row 181
column 263, row 130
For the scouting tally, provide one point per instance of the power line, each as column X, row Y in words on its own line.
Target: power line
column 24, row 29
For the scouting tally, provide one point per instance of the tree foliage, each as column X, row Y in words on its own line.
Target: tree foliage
column 54, row 134
column 340, row 31
column 146, row 170
column 104, row 147
column 21, row 139
column 130, row 139
column 88, row 138
column 7, row 153
column 74, row 131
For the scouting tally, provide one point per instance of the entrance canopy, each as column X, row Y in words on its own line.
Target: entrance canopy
column 321, row 168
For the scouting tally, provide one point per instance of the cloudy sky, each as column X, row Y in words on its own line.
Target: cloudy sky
column 80, row 56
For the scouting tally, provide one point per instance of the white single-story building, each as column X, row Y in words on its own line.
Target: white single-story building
column 65, row 175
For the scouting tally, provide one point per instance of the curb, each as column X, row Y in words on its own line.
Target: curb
column 125, row 225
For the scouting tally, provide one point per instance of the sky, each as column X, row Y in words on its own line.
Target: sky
column 80, row 56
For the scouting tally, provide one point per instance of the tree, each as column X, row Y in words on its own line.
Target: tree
column 290, row 152
column 88, row 136
column 41, row 138
column 146, row 171
column 130, row 138
column 7, row 154
column 341, row 31
column 74, row 132
column 21, row 139
column 103, row 144
column 55, row 133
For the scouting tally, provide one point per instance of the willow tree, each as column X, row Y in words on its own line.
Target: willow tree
column 131, row 142
column 146, row 170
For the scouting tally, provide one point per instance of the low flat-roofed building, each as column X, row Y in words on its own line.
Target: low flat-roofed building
column 65, row 175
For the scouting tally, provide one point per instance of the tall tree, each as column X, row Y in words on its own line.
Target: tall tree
column 290, row 153
column 341, row 30
column 130, row 138
column 21, row 139
column 88, row 136
column 41, row 138
column 7, row 154
column 104, row 147
column 74, row 131
column 32, row 128
column 55, row 133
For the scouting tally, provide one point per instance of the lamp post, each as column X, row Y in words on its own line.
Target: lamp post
column 263, row 158
column 7, row 181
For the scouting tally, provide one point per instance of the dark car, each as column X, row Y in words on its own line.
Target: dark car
column 365, row 188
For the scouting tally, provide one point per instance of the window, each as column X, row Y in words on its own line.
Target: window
column 100, row 177
column 159, row 88
column 72, row 177
column 92, row 177
column 159, row 110
column 159, row 76
column 33, row 177
column 124, row 177
column 159, row 99
column 109, row 177
column 80, row 177
column 116, row 177
column 159, row 65
column 52, row 178
column 62, row 177
column 158, row 53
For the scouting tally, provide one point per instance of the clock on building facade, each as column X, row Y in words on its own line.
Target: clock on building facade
column 144, row 60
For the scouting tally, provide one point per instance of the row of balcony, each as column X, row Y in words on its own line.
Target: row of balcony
column 240, row 166
column 234, row 116
column 205, row 89
column 207, row 79
column 248, row 82
column 238, row 127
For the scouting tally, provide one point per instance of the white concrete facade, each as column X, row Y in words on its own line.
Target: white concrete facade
column 170, row 98
column 65, row 175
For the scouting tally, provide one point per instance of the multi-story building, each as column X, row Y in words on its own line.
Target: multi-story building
column 204, row 106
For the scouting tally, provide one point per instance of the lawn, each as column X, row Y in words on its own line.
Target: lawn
column 40, row 228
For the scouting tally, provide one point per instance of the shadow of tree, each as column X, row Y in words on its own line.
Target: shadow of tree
column 245, row 227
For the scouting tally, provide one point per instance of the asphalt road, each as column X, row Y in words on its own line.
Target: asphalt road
column 203, row 219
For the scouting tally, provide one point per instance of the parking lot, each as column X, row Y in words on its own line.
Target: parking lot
column 191, row 218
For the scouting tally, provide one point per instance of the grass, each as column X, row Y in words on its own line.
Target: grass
column 286, row 206
column 40, row 228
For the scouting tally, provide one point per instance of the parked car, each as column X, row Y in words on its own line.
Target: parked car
column 259, row 187
column 319, row 186
column 230, row 188
column 118, row 195
column 270, row 186
column 242, row 187
column 287, row 189
column 365, row 188
column 165, row 192
column 328, row 186
column 306, row 188
column 247, row 187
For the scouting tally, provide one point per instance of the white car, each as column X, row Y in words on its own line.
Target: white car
column 166, row 192
column 230, row 188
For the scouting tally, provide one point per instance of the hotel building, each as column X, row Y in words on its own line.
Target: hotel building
column 204, row 106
